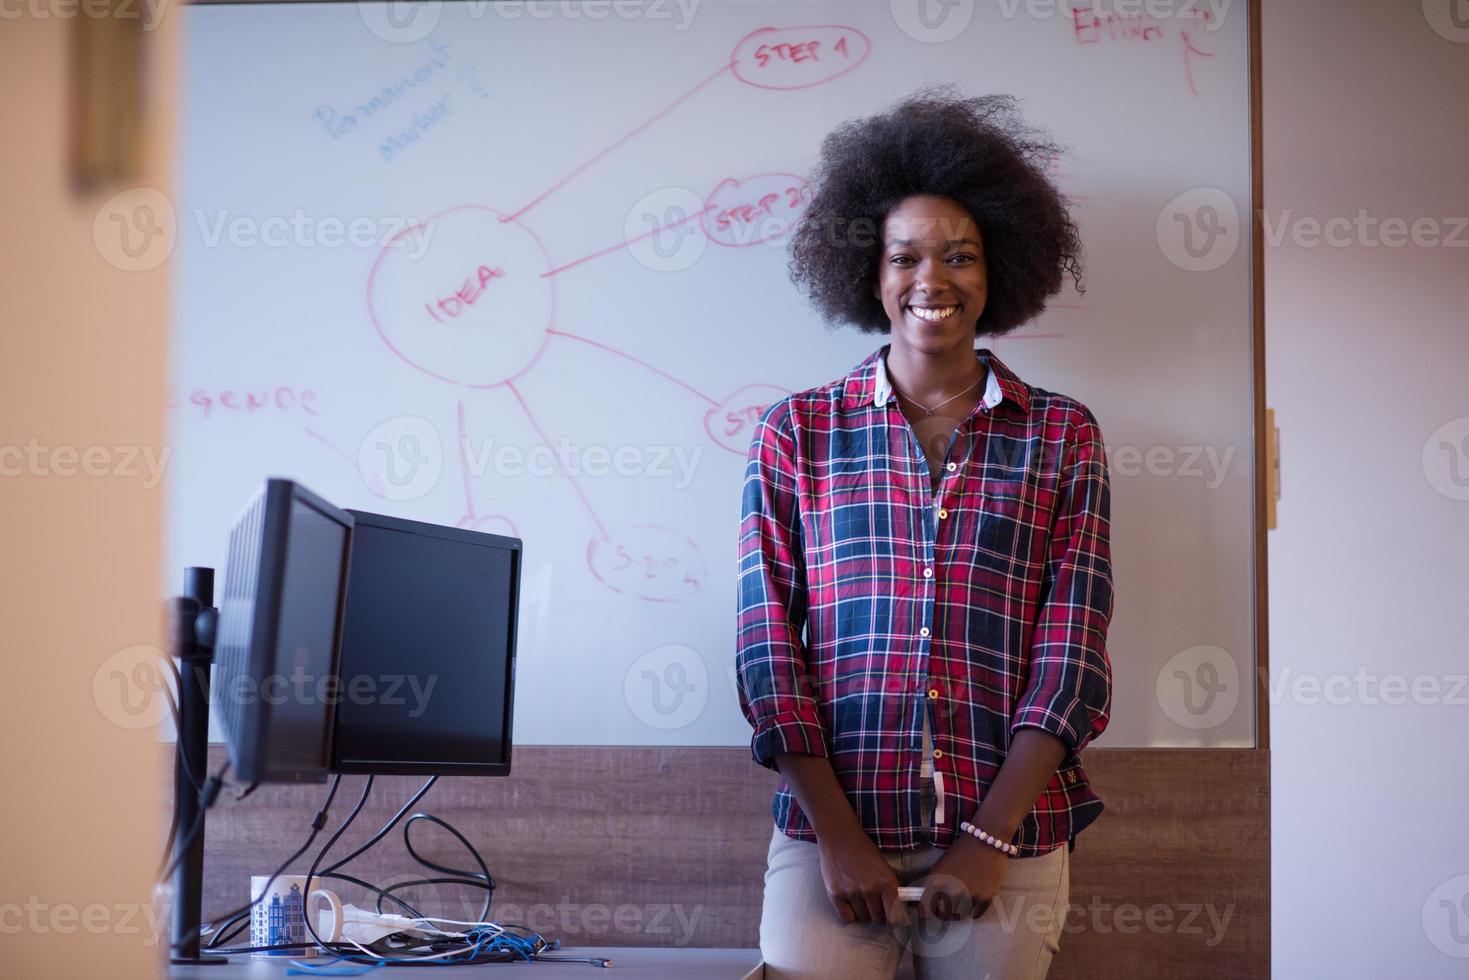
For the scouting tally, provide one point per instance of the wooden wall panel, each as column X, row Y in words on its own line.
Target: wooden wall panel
column 666, row 846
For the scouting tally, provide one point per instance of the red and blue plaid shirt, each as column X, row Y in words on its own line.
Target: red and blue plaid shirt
column 867, row 598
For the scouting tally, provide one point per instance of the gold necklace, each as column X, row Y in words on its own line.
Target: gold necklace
column 929, row 411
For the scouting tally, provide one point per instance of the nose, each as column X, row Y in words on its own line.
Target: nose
column 931, row 277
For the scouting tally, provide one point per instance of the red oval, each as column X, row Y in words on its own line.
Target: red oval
column 798, row 57
column 648, row 561
column 752, row 211
column 731, row 423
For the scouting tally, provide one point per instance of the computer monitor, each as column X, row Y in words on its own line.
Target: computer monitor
column 278, row 635
column 428, row 650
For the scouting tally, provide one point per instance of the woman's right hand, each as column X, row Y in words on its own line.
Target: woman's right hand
column 861, row 884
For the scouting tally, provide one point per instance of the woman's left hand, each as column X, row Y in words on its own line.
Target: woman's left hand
column 964, row 881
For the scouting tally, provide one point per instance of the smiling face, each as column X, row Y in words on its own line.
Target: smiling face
column 931, row 275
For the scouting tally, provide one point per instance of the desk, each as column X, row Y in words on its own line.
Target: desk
column 656, row 964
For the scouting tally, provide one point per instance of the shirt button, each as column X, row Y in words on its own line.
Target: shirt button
column 943, row 513
column 953, row 466
column 923, row 632
column 933, row 693
column 928, row 573
column 938, row 753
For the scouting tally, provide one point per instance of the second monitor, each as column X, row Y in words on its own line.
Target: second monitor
column 428, row 640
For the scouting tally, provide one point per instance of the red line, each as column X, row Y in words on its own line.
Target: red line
column 682, row 384
column 545, row 439
column 629, row 241
column 340, row 452
column 464, row 467
column 1188, row 67
column 645, row 124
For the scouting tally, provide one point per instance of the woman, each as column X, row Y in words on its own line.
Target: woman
column 938, row 530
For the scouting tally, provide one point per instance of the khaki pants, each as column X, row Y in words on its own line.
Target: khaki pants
column 801, row 935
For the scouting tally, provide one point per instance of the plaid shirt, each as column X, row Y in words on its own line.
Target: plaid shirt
column 985, row 604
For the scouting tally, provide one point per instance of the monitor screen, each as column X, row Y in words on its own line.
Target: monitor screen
column 276, row 651
column 428, row 650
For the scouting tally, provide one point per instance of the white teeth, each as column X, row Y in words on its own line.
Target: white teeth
column 934, row 315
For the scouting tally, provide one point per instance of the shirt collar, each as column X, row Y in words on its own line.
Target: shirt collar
column 868, row 383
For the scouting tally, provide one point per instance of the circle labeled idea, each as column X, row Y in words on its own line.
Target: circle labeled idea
column 464, row 297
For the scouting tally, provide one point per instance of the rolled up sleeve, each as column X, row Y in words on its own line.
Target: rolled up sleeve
column 1069, row 692
column 776, row 692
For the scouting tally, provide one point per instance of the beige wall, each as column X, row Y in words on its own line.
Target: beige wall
column 82, row 362
column 1367, row 357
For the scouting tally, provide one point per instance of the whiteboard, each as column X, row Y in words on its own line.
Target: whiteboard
column 523, row 269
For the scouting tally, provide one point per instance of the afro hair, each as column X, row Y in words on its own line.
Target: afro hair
column 975, row 151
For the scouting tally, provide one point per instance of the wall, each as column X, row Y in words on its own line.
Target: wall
column 1366, row 357
column 82, row 357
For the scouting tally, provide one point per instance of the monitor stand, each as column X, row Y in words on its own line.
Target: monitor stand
column 192, row 624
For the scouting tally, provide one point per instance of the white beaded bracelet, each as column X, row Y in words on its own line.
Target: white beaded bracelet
column 989, row 839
